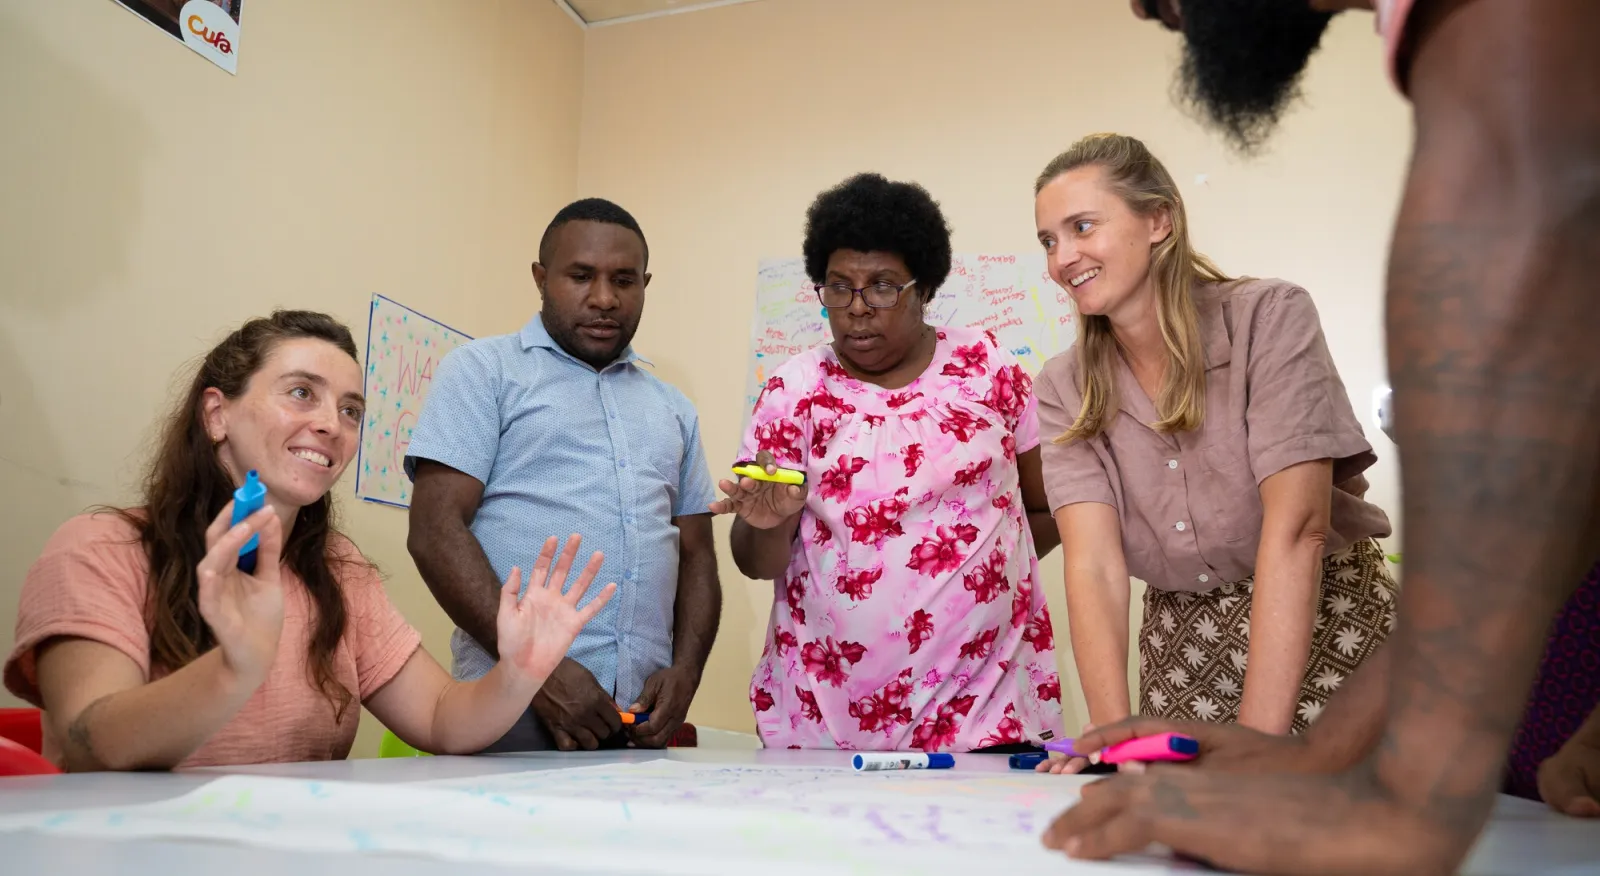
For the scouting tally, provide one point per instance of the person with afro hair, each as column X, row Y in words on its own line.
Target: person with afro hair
column 907, row 612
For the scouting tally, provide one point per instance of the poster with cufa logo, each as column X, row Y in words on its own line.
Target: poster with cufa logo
column 209, row 27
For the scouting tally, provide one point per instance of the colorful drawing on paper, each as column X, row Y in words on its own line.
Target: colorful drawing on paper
column 679, row 817
column 403, row 350
column 1010, row 295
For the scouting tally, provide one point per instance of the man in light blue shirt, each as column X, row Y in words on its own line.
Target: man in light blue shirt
column 558, row 431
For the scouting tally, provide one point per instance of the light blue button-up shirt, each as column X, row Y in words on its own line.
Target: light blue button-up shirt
column 560, row 448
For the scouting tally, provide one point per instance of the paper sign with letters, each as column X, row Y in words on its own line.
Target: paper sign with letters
column 1009, row 295
column 403, row 351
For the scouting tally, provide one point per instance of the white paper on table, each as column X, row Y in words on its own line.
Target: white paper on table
column 669, row 817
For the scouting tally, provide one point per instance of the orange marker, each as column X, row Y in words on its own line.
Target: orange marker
column 631, row 718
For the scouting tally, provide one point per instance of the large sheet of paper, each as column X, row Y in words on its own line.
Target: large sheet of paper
column 403, row 349
column 1010, row 295
column 676, row 817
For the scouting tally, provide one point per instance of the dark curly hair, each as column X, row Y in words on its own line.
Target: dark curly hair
column 869, row 213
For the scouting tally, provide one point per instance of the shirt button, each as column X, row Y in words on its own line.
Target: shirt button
column 1172, row 463
column 1179, row 526
column 622, row 463
column 1204, row 578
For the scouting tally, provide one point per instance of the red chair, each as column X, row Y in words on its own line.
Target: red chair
column 18, row 760
column 686, row 737
column 22, row 726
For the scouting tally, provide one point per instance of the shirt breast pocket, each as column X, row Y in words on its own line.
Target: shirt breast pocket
column 657, row 441
column 1229, row 503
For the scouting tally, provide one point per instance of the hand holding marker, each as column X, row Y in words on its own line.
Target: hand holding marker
column 1145, row 749
column 749, row 468
column 247, row 500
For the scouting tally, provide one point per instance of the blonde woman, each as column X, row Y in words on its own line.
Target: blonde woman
column 1193, row 439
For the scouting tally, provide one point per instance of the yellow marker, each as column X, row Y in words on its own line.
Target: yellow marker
column 749, row 469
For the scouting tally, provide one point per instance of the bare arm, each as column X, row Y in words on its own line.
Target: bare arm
column 1492, row 327
column 1097, row 606
column 108, row 718
column 762, row 554
column 435, row 713
column 432, row 712
column 1296, row 506
column 768, row 516
column 111, row 717
column 444, row 503
column 698, row 608
column 1349, row 728
column 1030, row 471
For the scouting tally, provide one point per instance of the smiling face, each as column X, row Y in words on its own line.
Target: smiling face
column 1096, row 246
column 874, row 340
column 297, row 422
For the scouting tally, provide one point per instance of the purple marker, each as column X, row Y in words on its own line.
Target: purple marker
column 1062, row 746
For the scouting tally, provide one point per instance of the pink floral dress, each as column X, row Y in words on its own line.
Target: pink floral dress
column 909, row 616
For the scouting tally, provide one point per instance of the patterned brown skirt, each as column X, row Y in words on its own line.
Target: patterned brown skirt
column 1192, row 646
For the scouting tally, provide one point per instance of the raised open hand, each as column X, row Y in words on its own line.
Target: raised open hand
column 244, row 612
column 762, row 504
column 536, row 630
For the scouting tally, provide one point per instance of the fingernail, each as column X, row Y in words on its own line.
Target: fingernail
column 1072, row 846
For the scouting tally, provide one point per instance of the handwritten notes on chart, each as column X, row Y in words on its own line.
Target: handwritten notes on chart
column 678, row 817
column 403, row 351
column 1010, row 295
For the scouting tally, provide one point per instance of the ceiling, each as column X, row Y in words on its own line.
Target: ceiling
column 602, row 12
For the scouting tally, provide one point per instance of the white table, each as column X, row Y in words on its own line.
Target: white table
column 1524, row 838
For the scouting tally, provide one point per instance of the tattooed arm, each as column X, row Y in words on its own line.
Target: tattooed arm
column 1493, row 315
column 108, row 718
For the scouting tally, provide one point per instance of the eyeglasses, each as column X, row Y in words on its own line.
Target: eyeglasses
column 836, row 296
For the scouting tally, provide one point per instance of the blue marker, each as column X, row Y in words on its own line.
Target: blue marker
column 1028, row 760
column 247, row 500
column 869, row 762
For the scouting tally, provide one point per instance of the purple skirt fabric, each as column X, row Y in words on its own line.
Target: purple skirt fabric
column 1565, row 692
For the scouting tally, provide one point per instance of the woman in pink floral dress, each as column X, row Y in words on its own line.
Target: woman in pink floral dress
column 907, row 612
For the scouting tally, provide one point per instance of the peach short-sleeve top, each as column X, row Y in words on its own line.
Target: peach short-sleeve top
column 92, row 582
column 1190, row 502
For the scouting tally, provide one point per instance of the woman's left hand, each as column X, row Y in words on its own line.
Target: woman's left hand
column 536, row 630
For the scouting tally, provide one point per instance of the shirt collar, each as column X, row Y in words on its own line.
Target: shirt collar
column 534, row 334
column 1213, row 339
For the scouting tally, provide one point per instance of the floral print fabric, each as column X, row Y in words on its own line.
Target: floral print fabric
column 909, row 616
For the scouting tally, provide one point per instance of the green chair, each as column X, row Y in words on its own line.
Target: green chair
column 391, row 746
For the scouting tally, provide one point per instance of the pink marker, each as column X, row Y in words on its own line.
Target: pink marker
column 1162, row 746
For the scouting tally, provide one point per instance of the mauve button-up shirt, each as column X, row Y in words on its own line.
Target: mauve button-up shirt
column 1190, row 502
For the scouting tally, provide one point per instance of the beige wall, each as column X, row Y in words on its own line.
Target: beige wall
column 150, row 200
column 717, row 128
